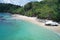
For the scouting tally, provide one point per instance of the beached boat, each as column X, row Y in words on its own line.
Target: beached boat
column 51, row 23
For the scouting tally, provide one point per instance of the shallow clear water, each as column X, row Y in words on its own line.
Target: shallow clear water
column 12, row 29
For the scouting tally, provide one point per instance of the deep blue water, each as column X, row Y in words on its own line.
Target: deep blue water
column 12, row 29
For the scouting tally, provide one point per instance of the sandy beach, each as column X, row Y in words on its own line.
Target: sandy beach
column 35, row 21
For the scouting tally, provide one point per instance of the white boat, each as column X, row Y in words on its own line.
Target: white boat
column 51, row 23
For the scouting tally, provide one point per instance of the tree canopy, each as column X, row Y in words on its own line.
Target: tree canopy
column 46, row 9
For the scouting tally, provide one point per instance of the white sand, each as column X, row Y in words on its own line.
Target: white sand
column 35, row 21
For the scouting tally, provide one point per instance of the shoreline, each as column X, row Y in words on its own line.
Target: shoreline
column 34, row 20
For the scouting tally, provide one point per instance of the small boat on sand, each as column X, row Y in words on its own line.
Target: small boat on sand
column 51, row 23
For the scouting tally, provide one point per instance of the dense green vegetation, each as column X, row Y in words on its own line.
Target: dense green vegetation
column 46, row 9
column 8, row 7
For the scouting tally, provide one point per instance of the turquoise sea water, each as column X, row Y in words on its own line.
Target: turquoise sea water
column 11, row 29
